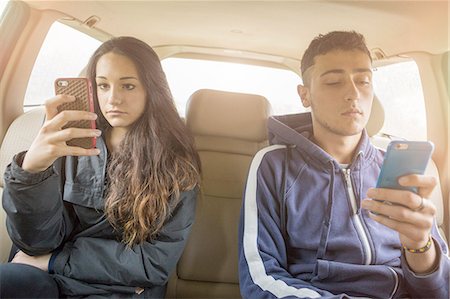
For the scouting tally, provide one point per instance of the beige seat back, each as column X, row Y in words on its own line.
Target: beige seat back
column 373, row 127
column 19, row 137
column 229, row 128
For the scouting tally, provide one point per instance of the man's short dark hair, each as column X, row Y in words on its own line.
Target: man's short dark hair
column 335, row 40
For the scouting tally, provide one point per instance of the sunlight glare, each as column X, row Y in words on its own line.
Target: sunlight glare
column 279, row 86
column 3, row 4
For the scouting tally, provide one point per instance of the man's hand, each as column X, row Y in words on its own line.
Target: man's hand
column 40, row 261
column 411, row 215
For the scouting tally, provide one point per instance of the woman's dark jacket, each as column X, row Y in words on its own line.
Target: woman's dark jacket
column 60, row 210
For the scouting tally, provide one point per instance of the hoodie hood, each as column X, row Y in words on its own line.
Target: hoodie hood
column 297, row 130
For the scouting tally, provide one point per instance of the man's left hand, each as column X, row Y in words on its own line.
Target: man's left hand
column 410, row 214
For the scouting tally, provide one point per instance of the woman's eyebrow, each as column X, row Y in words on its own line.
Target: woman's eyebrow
column 129, row 77
column 121, row 78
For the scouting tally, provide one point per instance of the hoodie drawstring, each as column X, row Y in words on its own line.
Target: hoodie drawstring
column 283, row 192
column 283, row 199
column 328, row 217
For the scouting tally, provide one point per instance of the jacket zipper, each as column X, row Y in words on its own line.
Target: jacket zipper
column 360, row 229
column 356, row 218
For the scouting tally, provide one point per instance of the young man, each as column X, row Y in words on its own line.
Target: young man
column 307, row 227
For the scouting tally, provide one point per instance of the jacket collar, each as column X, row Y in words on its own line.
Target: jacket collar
column 296, row 130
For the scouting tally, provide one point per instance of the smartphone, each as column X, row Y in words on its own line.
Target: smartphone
column 81, row 89
column 403, row 158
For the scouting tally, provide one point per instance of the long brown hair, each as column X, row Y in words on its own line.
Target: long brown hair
column 156, row 160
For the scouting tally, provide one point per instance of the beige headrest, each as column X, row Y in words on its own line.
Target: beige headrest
column 228, row 114
column 376, row 118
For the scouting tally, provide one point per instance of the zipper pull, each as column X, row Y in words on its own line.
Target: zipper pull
column 350, row 192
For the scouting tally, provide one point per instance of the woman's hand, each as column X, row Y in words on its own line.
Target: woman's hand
column 40, row 261
column 50, row 143
column 410, row 214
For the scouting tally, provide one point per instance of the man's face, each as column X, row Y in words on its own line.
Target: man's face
column 339, row 92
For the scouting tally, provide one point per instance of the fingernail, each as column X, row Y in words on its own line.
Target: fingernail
column 372, row 215
column 371, row 192
column 366, row 203
column 93, row 116
column 402, row 180
column 98, row 133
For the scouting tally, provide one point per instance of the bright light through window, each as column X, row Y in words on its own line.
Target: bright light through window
column 279, row 86
column 3, row 4
column 399, row 89
column 65, row 53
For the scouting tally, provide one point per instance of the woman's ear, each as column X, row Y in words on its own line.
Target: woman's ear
column 303, row 92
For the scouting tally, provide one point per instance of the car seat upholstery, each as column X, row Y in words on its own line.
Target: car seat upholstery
column 19, row 137
column 229, row 128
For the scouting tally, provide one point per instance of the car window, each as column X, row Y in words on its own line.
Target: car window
column 64, row 53
column 279, row 86
column 3, row 5
column 399, row 89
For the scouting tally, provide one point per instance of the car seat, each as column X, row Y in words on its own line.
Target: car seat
column 229, row 128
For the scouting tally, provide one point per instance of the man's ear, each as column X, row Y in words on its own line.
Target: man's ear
column 303, row 92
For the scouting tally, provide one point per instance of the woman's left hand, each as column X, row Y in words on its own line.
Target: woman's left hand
column 39, row 261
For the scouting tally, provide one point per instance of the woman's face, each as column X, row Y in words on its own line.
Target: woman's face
column 121, row 95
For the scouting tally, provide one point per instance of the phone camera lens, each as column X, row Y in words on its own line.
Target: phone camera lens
column 63, row 83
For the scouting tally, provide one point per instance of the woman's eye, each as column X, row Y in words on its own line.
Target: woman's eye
column 102, row 86
column 128, row 86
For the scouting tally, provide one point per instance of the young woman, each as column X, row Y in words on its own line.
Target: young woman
column 110, row 221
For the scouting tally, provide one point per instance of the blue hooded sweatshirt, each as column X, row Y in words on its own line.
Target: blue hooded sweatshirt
column 306, row 236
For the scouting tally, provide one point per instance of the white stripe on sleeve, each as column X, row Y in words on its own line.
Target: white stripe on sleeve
column 255, row 264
